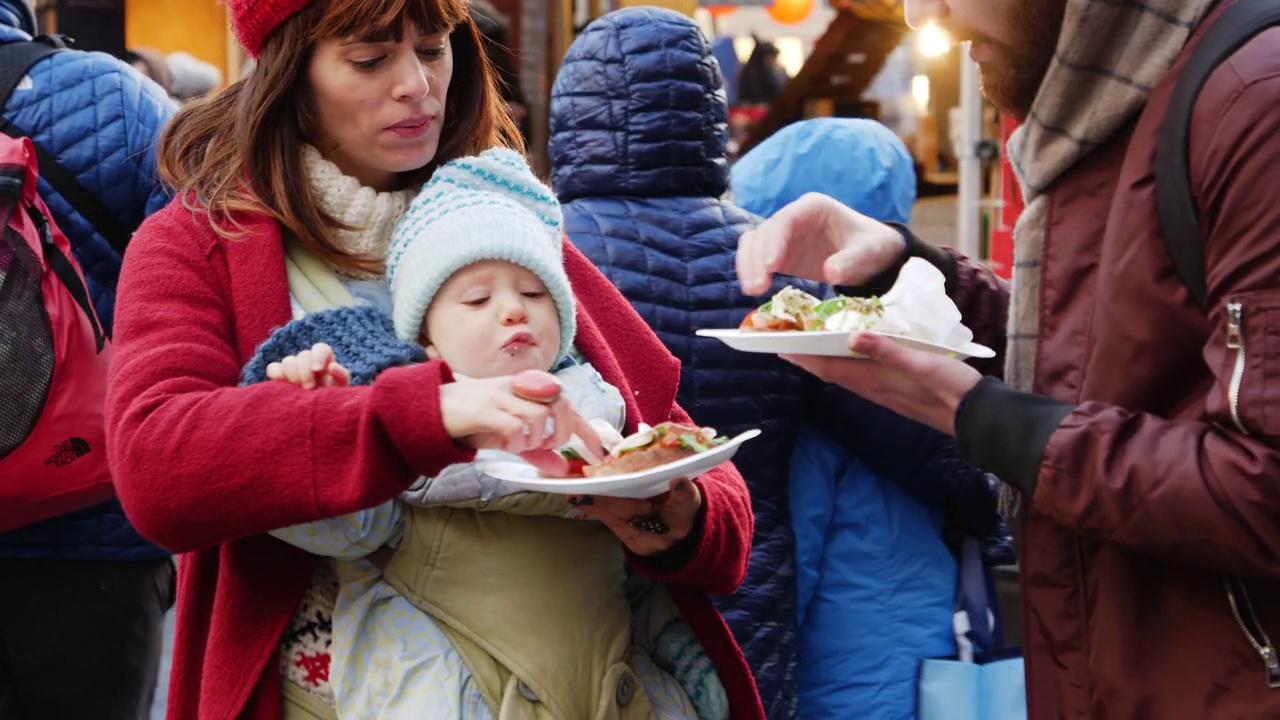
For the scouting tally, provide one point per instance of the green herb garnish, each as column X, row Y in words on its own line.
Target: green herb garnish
column 571, row 454
column 827, row 308
column 692, row 442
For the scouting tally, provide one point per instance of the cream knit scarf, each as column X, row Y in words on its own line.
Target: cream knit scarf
column 1109, row 56
column 372, row 215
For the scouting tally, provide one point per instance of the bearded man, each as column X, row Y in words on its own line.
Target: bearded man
column 1137, row 422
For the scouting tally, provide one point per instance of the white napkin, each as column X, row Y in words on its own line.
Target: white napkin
column 918, row 301
column 916, row 306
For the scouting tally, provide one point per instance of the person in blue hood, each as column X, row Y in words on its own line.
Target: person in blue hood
column 83, row 594
column 638, row 153
column 875, row 577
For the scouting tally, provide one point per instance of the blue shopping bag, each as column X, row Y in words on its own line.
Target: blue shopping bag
column 985, row 681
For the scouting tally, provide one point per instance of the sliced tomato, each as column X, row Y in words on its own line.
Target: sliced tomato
column 576, row 467
column 757, row 320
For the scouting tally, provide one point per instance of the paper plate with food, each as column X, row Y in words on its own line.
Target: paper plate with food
column 916, row 312
column 641, row 465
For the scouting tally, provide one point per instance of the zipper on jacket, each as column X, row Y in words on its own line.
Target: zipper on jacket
column 1260, row 642
column 1237, row 593
column 1235, row 341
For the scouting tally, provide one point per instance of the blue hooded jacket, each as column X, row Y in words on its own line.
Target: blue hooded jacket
column 638, row 154
column 876, row 580
column 864, row 165
column 101, row 120
column 859, row 162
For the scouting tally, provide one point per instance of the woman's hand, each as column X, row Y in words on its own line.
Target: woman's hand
column 639, row 523
column 309, row 369
column 522, row 414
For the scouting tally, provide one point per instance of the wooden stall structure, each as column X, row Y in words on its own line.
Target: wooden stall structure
column 843, row 63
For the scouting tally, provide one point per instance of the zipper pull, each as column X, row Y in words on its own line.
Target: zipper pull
column 1235, row 325
column 1273, row 666
column 1235, row 341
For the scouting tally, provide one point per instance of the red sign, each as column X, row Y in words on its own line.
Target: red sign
column 1011, row 196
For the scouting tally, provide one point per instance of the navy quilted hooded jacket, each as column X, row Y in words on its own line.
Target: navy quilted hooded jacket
column 638, row 153
column 101, row 120
column 638, row 123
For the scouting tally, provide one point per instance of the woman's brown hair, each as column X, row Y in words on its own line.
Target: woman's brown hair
column 241, row 150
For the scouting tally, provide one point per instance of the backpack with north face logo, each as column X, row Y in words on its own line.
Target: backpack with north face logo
column 53, row 360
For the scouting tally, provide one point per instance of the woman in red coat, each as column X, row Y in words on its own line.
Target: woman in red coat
column 352, row 105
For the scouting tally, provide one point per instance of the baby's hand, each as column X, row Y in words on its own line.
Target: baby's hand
column 310, row 369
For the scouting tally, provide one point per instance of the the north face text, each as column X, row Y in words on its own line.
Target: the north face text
column 67, row 452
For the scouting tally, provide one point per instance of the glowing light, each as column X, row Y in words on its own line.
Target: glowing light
column 790, row 12
column 933, row 40
column 920, row 91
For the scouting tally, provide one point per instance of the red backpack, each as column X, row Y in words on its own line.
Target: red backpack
column 53, row 360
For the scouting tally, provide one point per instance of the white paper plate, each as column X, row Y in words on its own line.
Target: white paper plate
column 641, row 485
column 831, row 343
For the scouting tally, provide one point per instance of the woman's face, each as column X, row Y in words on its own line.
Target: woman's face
column 380, row 105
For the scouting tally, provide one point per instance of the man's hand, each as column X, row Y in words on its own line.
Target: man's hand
column 922, row 386
column 816, row 238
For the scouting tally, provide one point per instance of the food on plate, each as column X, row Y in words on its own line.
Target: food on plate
column 790, row 309
column 917, row 306
column 793, row 309
column 576, row 452
column 649, row 448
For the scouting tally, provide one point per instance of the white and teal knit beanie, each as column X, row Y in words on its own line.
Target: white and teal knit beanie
column 487, row 207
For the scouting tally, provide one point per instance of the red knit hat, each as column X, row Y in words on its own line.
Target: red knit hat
column 254, row 20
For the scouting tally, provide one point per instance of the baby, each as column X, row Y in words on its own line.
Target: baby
column 477, row 280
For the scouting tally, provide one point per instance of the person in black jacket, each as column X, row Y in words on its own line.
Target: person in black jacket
column 761, row 78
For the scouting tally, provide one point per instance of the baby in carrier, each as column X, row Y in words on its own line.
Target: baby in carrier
column 464, row 597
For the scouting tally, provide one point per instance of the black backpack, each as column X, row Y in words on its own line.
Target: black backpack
column 1178, row 218
column 16, row 59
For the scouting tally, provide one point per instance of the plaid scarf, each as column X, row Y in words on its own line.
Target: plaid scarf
column 1110, row 54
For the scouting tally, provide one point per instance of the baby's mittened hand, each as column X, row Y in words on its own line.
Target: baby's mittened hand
column 309, row 369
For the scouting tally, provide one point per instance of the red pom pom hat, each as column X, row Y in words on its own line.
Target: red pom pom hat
column 255, row 20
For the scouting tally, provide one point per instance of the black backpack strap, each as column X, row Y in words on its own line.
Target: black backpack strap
column 1179, row 222
column 16, row 59
column 61, row 266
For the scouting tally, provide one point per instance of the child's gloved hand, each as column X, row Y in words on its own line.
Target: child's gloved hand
column 309, row 369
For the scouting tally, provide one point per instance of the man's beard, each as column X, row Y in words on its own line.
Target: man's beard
column 1012, row 82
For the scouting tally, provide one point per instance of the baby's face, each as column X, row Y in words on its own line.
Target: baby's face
column 491, row 319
